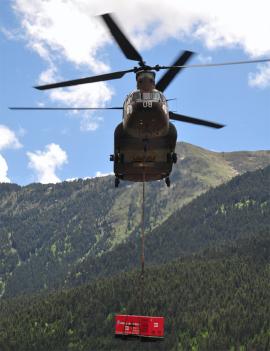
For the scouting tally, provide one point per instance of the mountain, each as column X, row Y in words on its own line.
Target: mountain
column 45, row 230
column 239, row 209
column 217, row 301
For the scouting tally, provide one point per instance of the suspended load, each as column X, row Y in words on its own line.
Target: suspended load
column 145, row 327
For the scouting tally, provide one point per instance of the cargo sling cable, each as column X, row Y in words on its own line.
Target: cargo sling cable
column 142, row 232
column 142, row 245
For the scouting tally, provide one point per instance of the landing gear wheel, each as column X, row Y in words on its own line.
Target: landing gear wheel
column 168, row 181
column 172, row 157
column 118, row 158
column 116, row 182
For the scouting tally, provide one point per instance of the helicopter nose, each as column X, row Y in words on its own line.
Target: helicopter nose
column 148, row 119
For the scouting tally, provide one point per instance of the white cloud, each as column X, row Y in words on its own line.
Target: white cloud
column 61, row 28
column 21, row 131
column 97, row 175
column 90, row 123
column 205, row 59
column 72, row 179
column 8, row 139
column 9, row 34
column 262, row 78
column 100, row 174
column 48, row 75
column 45, row 163
column 3, row 170
column 66, row 29
column 84, row 96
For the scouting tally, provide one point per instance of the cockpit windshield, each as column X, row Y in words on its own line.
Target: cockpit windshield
column 154, row 95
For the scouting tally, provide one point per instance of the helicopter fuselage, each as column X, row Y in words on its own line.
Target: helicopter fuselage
column 144, row 143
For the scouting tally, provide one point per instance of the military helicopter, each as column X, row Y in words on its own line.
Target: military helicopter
column 145, row 140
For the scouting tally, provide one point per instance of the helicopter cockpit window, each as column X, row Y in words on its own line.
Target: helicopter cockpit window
column 146, row 96
column 138, row 96
column 154, row 95
column 162, row 97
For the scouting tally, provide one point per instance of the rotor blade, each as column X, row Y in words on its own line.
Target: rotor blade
column 66, row 108
column 171, row 99
column 216, row 64
column 192, row 120
column 93, row 79
column 168, row 76
column 125, row 45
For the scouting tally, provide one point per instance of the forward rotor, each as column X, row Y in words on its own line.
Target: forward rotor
column 131, row 53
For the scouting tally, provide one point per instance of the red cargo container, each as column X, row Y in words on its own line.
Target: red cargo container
column 145, row 327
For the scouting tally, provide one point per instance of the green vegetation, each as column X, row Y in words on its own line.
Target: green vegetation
column 208, row 264
column 47, row 229
column 236, row 210
column 217, row 301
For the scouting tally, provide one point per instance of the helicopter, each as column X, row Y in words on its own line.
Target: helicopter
column 145, row 140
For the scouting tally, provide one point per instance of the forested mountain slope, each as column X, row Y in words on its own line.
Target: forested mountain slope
column 236, row 210
column 46, row 229
column 219, row 301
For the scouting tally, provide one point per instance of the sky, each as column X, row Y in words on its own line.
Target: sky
column 43, row 41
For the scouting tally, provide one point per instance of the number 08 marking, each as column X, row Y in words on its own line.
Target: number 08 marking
column 147, row 104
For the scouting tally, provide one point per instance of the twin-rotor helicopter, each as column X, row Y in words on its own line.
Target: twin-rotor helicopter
column 145, row 140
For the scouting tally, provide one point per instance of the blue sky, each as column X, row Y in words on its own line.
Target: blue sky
column 46, row 41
